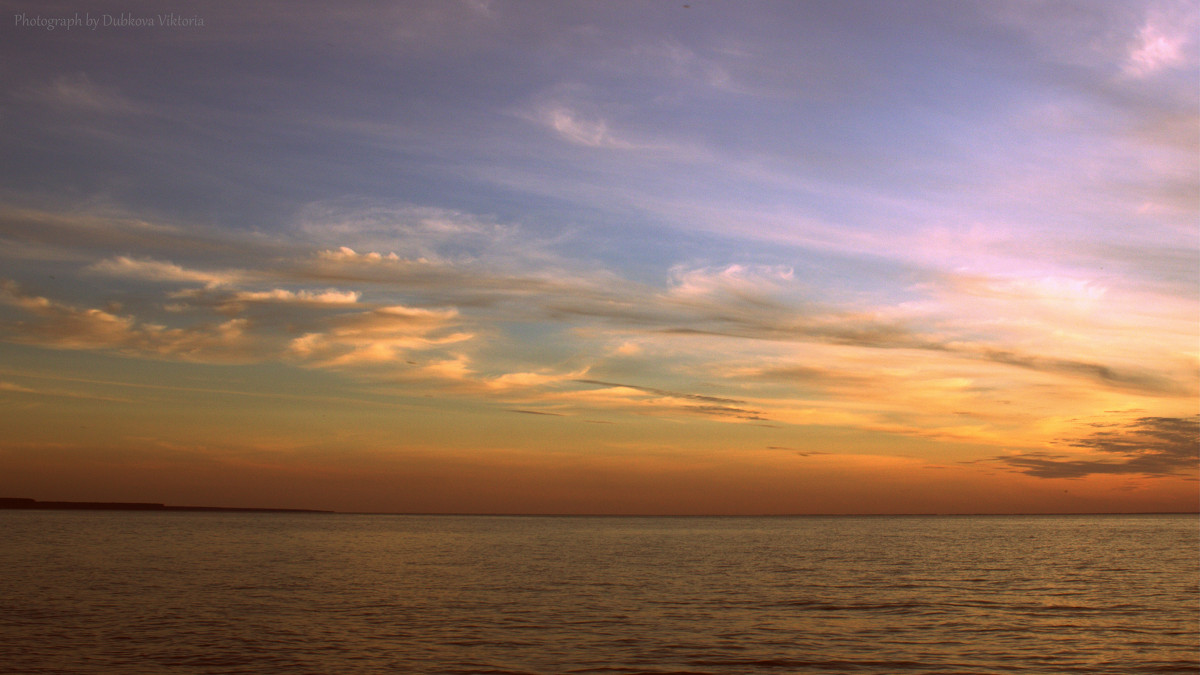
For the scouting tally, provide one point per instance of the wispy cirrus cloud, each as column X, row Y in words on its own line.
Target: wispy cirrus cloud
column 644, row 400
column 303, row 297
column 731, row 302
column 573, row 127
column 78, row 93
column 14, row 388
column 234, row 301
column 452, row 297
column 1130, row 378
column 371, row 231
column 83, row 232
column 663, row 392
column 157, row 270
column 576, row 115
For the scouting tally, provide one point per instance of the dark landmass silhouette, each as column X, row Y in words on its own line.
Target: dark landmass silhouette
column 25, row 503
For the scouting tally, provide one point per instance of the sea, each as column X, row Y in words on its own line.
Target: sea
column 103, row 592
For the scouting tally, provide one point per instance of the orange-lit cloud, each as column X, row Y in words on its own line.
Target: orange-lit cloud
column 65, row 327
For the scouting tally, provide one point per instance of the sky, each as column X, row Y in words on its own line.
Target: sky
column 627, row 257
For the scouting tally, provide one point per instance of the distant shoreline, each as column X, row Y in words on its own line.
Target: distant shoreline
column 33, row 504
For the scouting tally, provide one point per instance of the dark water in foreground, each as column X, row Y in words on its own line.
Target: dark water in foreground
column 104, row 592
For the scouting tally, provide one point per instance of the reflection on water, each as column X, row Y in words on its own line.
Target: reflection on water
column 104, row 592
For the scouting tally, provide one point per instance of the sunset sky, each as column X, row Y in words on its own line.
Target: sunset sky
column 603, row 257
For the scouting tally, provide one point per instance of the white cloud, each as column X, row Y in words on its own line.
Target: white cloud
column 527, row 380
column 347, row 254
column 63, row 326
column 737, row 280
column 327, row 297
column 455, row 369
column 576, row 129
column 384, row 336
column 155, row 270
column 1159, row 45
column 1056, row 292
column 570, row 112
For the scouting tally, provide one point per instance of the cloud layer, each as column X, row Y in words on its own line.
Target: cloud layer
column 896, row 235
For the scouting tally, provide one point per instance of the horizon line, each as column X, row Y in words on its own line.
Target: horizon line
column 29, row 504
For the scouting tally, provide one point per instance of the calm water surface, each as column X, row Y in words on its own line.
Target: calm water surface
column 124, row 592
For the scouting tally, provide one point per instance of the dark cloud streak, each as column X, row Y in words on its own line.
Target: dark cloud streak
column 1155, row 446
column 663, row 392
column 711, row 405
